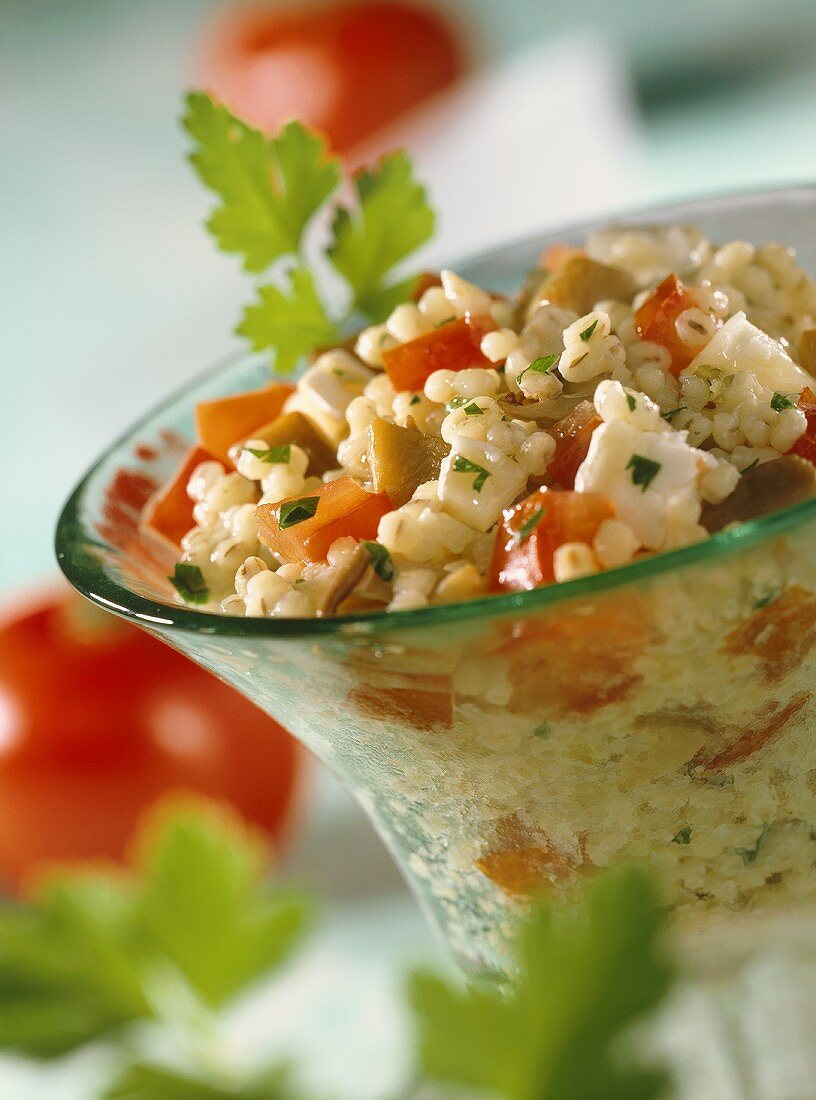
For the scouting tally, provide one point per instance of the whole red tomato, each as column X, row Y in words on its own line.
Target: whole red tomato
column 346, row 68
column 98, row 719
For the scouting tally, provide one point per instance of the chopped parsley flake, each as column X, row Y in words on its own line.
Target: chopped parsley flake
column 586, row 335
column 682, row 836
column 273, row 454
column 753, row 465
column 414, row 400
column 465, row 466
column 749, row 855
column 455, row 403
column 630, row 401
column 780, row 402
column 672, row 413
column 542, row 730
column 188, row 581
column 543, row 365
column 380, row 559
column 530, row 525
column 296, row 511
column 644, row 470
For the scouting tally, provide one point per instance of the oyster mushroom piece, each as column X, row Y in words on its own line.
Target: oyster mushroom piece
column 579, row 282
column 348, row 576
column 767, row 488
column 400, row 459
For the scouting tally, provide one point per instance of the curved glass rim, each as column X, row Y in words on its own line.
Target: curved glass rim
column 87, row 574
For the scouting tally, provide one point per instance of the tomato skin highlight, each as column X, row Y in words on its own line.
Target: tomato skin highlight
column 343, row 508
column 572, row 435
column 655, row 320
column 805, row 445
column 454, row 346
column 100, row 721
column 532, row 531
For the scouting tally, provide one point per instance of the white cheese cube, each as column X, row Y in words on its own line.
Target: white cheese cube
column 477, row 481
column 327, row 389
column 741, row 346
column 646, row 475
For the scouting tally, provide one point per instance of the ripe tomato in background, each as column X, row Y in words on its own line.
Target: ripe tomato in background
column 346, row 68
column 98, row 719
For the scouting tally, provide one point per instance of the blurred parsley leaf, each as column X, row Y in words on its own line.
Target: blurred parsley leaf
column 148, row 1082
column 83, row 959
column 290, row 321
column 392, row 220
column 587, row 972
column 207, row 906
column 269, row 188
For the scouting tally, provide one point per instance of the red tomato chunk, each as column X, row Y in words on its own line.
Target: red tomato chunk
column 532, row 531
column 454, row 346
column 655, row 320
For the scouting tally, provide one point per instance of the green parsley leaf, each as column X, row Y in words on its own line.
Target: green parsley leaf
column 682, row 836
column 292, row 323
column 587, row 971
column 144, row 1081
column 644, row 470
column 751, row 466
column 586, row 335
column 670, row 414
column 530, row 525
column 543, row 365
column 391, row 220
column 380, row 559
column 473, row 409
column 456, row 403
column 296, row 511
column 273, row 455
column 749, row 855
column 414, row 400
column 780, row 402
column 269, row 189
column 188, row 581
column 631, row 402
column 465, row 466
column 208, row 906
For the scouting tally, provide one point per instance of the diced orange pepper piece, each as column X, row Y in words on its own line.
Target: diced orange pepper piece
column 169, row 512
column 805, row 445
column 454, row 346
column 572, row 435
column 655, row 320
column 338, row 509
column 531, row 532
column 227, row 420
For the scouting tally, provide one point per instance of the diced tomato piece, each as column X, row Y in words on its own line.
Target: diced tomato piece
column 454, row 346
column 532, row 531
column 572, row 435
column 169, row 512
column 425, row 281
column 655, row 320
column 303, row 528
column 805, row 445
column 226, row 420
column 556, row 254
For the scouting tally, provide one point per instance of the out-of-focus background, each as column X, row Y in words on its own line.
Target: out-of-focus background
column 519, row 116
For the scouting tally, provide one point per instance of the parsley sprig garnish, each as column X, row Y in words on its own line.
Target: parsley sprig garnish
column 644, row 470
column 269, row 193
column 462, row 465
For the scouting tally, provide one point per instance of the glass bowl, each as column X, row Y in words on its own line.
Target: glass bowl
column 663, row 712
